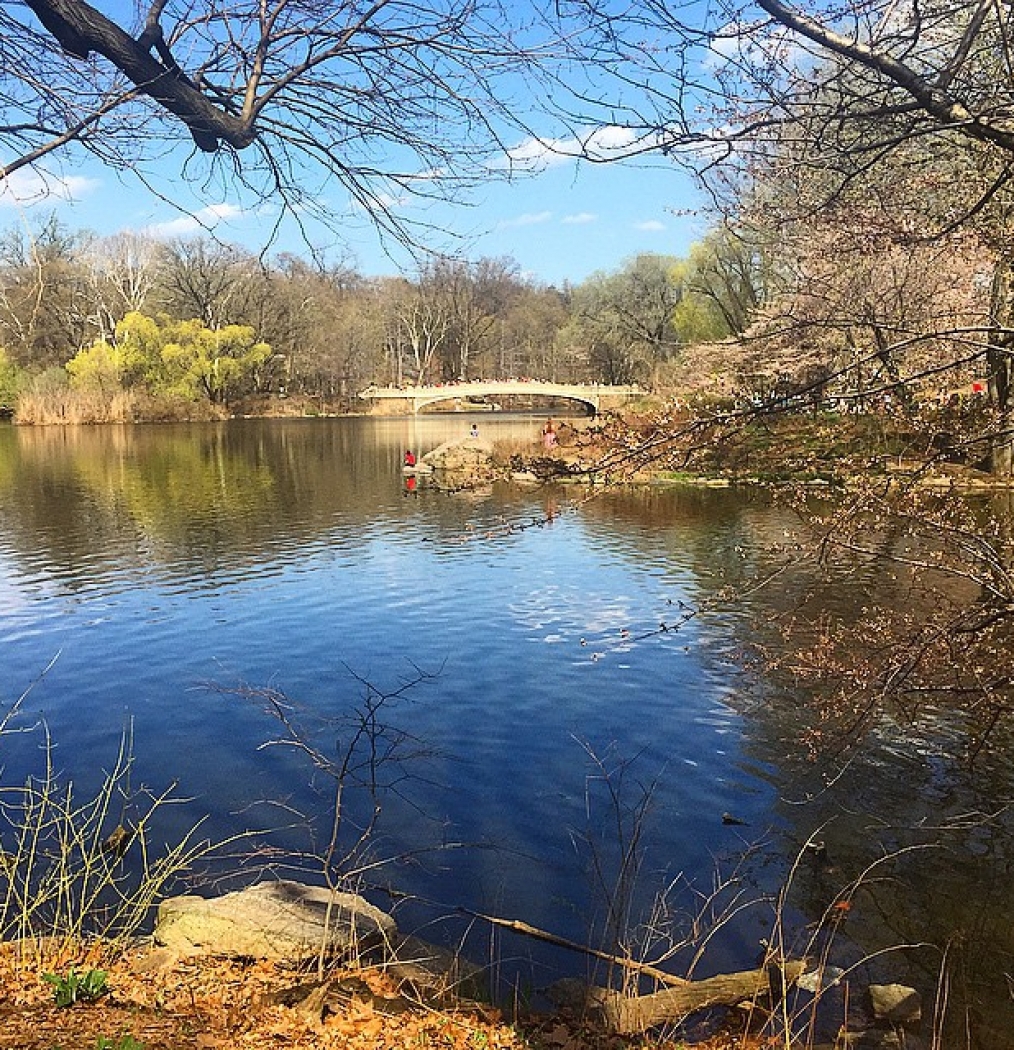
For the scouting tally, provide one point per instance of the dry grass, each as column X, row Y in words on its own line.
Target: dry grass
column 85, row 407
column 74, row 867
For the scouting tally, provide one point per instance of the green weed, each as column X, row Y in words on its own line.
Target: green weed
column 77, row 987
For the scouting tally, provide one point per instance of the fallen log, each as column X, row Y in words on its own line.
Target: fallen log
column 628, row 1014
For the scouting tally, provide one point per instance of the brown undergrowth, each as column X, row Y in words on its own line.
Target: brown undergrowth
column 203, row 1003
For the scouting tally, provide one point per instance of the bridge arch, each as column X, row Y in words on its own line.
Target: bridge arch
column 412, row 399
column 420, row 402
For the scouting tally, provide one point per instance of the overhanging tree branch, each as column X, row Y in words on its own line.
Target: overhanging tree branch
column 80, row 29
column 933, row 96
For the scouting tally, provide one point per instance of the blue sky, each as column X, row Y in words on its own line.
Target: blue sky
column 562, row 223
column 559, row 217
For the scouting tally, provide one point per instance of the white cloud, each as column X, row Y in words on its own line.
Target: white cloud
column 537, row 154
column 724, row 45
column 651, row 226
column 609, row 141
column 222, row 211
column 386, row 202
column 205, row 219
column 26, row 187
column 528, row 219
column 580, row 219
column 430, row 174
column 534, row 153
column 752, row 45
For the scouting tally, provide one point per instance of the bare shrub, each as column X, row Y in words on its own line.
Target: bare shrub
column 79, row 867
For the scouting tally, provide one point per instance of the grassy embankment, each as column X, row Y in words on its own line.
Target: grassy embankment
column 805, row 448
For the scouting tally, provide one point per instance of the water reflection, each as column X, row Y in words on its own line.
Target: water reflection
column 202, row 498
column 156, row 559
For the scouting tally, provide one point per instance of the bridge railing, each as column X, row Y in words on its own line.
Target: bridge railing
column 496, row 386
column 417, row 397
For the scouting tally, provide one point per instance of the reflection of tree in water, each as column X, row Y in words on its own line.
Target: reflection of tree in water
column 875, row 651
column 215, row 494
column 184, row 495
column 880, row 670
column 214, row 491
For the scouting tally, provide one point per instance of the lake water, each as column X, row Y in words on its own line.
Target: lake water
column 162, row 572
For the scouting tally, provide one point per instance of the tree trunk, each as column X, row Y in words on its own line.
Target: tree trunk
column 999, row 348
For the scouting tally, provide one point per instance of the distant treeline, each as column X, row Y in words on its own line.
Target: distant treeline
column 132, row 327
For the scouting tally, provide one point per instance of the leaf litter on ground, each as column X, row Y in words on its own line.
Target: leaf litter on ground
column 205, row 1003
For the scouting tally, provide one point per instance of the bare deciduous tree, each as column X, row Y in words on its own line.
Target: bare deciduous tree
column 626, row 318
column 206, row 280
column 423, row 326
column 476, row 295
column 121, row 273
column 43, row 299
column 294, row 100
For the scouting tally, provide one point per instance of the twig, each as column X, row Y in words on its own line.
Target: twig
column 562, row 942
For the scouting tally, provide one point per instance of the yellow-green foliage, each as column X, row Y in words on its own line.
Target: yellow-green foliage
column 132, row 358
column 211, row 361
column 11, row 380
column 183, row 359
column 697, row 320
column 96, row 367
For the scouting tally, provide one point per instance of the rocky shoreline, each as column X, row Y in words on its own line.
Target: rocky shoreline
column 302, row 926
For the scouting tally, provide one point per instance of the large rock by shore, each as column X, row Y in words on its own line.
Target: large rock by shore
column 288, row 922
column 472, row 456
column 273, row 920
column 464, row 462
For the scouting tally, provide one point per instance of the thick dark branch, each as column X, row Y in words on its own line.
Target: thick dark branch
column 80, row 29
column 932, row 98
column 152, row 26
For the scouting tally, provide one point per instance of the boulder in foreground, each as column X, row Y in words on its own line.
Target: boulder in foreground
column 280, row 920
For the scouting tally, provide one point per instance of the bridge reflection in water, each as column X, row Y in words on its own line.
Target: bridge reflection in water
column 409, row 400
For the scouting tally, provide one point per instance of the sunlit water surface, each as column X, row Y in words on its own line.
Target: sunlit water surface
column 150, row 576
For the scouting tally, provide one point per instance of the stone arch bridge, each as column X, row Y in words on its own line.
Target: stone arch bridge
column 393, row 400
